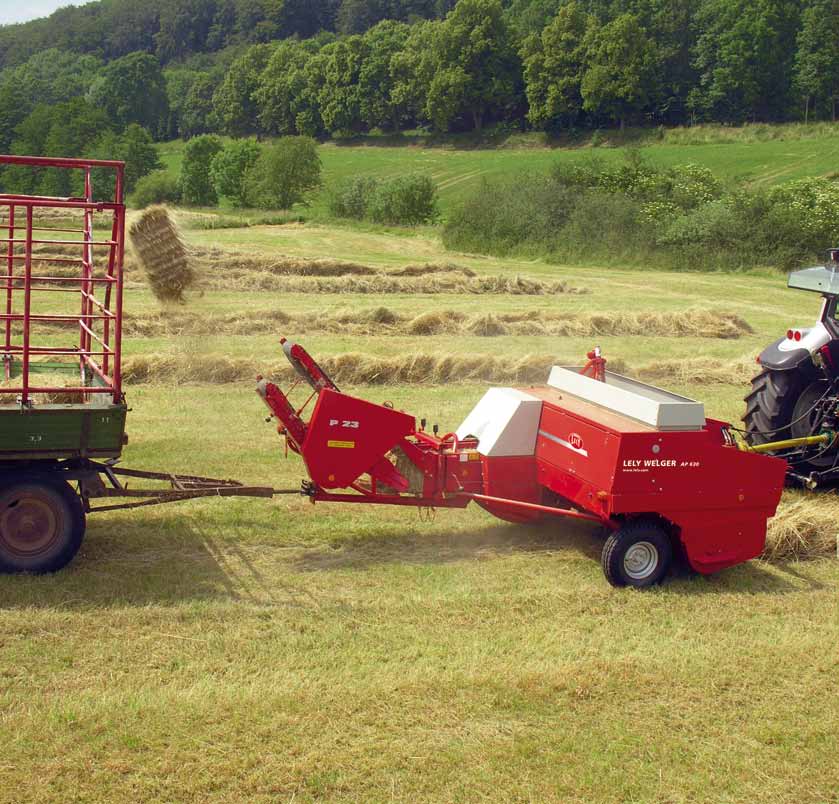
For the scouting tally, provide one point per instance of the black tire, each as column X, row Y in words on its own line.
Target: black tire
column 639, row 554
column 770, row 403
column 42, row 525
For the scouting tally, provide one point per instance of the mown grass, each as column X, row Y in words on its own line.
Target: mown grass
column 264, row 651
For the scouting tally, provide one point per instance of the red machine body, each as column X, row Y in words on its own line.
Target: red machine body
column 718, row 497
column 583, row 461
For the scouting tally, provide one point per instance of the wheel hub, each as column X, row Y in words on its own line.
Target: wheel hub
column 640, row 560
column 28, row 524
column 807, row 419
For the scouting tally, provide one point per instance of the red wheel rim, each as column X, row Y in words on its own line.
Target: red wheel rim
column 30, row 523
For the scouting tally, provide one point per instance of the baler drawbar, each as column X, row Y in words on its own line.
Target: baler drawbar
column 642, row 462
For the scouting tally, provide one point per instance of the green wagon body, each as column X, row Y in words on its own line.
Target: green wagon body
column 60, row 430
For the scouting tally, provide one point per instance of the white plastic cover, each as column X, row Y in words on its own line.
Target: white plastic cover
column 505, row 422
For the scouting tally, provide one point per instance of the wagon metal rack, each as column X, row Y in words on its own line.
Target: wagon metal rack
column 62, row 407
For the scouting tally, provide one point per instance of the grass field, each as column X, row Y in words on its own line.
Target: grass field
column 268, row 651
column 457, row 171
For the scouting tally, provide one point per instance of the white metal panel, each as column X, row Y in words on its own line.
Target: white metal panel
column 644, row 403
column 505, row 422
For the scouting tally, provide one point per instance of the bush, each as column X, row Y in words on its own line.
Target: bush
column 284, row 173
column 156, row 188
column 196, row 182
column 406, row 201
column 525, row 213
column 229, row 167
column 680, row 217
column 352, row 198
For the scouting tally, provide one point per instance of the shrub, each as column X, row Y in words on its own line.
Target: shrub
column 525, row 213
column 352, row 197
column 229, row 167
column 156, row 188
column 681, row 217
column 196, row 182
column 284, row 173
column 407, row 200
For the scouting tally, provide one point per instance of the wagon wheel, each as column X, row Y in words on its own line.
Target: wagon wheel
column 42, row 525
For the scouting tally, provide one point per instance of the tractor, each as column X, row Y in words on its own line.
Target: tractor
column 796, row 393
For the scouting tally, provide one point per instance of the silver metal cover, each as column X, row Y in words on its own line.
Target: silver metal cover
column 636, row 400
column 820, row 280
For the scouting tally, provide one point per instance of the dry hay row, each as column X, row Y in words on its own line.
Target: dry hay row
column 420, row 368
column 207, row 260
column 380, row 284
column 383, row 321
column 806, row 526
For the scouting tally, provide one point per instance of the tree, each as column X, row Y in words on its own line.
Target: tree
column 184, row 26
column 375, row 78
column 198, row 115
column 284, row 173
column 230, row 166
column 744, row 57
column 14, row 108
column 233, row 101
column 53, row 76
column 621, row 69
column 817, row 57
column 475, row 67
column 339, row 98
column 132, row 90
column 75, row 128
column 135, row 147
column 411, row 71
column 554, row 63
column 196, row 181
column 281, row 95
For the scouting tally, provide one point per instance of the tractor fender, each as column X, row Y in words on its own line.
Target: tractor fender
column 786, row 354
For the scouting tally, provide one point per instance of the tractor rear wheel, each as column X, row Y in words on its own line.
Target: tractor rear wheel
column 42, row 524
column 771, row 402
column 638, row 554
column 782, row 404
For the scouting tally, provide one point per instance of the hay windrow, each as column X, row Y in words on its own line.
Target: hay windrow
column 806, row 526
column 384, row 321
column 350, row 368
column 164, row 258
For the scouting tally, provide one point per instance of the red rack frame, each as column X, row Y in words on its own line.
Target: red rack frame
column 103, row 314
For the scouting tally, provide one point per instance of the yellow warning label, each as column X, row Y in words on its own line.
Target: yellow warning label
column 341, row 444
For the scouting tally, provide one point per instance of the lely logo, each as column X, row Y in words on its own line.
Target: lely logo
column 576, row 441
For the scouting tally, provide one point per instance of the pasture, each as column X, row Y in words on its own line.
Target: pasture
column 267, row 651
column 737, row 155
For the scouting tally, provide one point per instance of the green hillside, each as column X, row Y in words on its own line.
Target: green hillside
column 457, row 171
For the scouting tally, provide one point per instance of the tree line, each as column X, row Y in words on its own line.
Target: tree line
column 342, row 68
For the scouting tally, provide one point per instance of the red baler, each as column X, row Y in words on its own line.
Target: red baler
column 644, row 463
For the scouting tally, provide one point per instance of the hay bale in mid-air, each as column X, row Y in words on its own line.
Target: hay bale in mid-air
column 163, row 255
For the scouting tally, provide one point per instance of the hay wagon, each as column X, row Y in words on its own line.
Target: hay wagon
column 62, row 407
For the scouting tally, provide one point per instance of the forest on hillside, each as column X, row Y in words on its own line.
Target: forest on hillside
column 343, row 67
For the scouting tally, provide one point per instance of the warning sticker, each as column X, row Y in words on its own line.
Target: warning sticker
column 341, row 444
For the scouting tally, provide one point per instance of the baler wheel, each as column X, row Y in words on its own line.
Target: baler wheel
column 42, row 524
column 639, row 554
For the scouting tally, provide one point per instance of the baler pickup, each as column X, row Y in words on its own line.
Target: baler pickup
column 644, row 463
